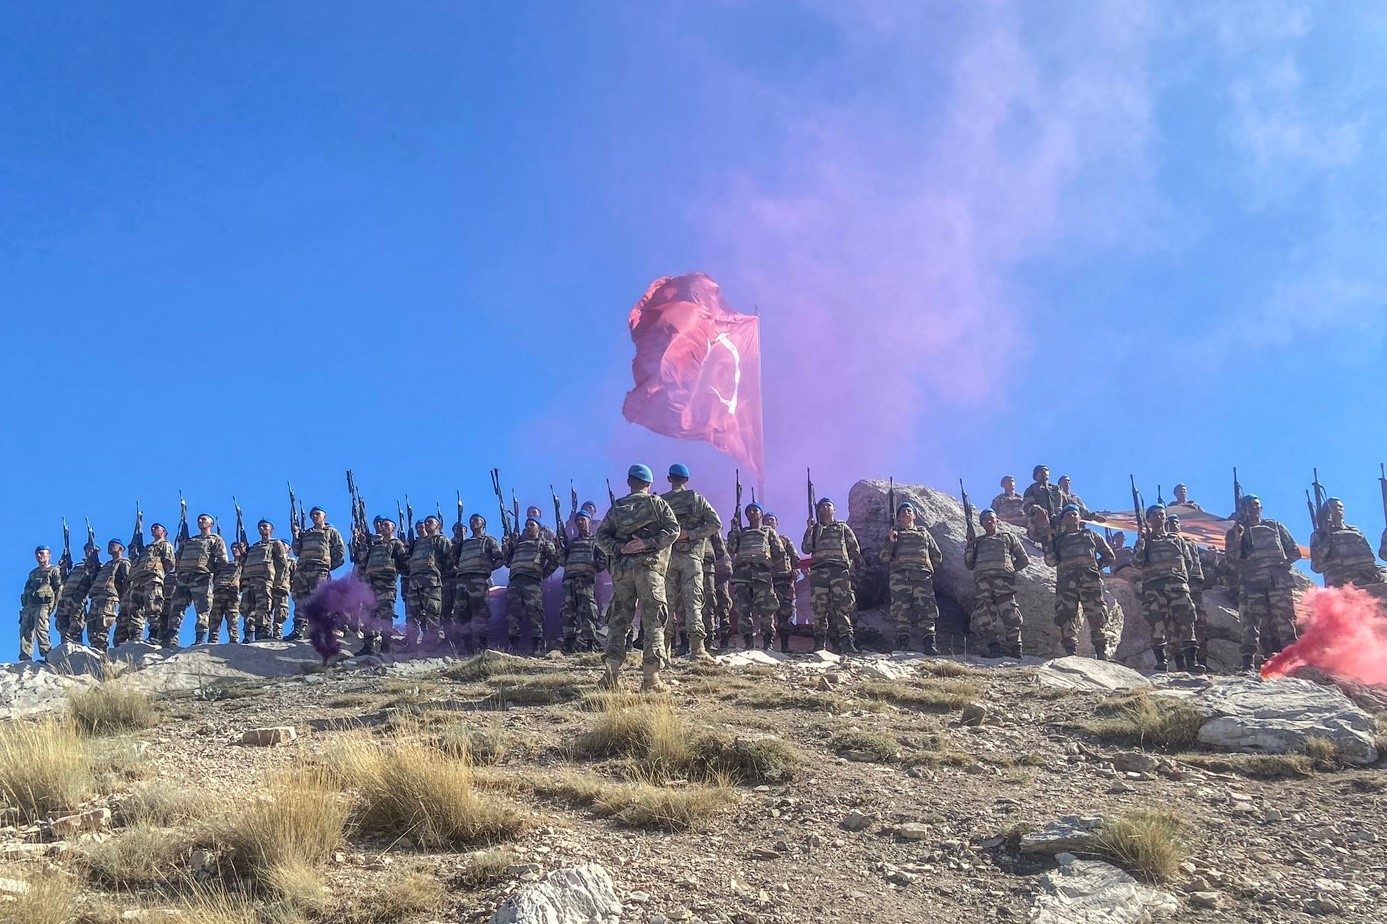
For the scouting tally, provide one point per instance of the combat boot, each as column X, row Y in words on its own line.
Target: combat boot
column 724, row 637
column 514, row 643
column 903, row 642
column 1249, row 664
column 200, row 637
column 1192, row 661
column 1179, row 658
column 611, row 669
column 1015, row 651
column 683, row 647
column 785, row 643
column 483, row 642
column 766, row 640
column 928, row 647
column 568, row 645
column 994, row 650
column 698, row 651
column 1159, row 652
column 650, row 679
column 847, row 645
column 748, row 642
column 820, row 640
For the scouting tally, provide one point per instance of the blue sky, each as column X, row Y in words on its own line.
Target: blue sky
column 244, row 244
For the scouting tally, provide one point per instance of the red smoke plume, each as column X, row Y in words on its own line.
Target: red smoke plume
column 1343, row 633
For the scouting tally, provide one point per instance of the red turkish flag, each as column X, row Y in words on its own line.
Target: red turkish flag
column 697, row 368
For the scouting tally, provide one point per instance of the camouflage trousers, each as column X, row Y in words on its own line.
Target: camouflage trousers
column 579, row 608
column 33, row 627
column 717, row 604
column 195, row 588
column 1360, row 575
column 636, row 583
column 382, row 618
column 279, row 608
column 255, row 608
column 785, row 606
column 1201, row 624
column 913, row 604
column 423, row 606
column 525, row 608
column 101, row 618
column 1268, row 618
column 141, row 603
column 1080, row 589
column 472, row 605
column 832, row 600
column 226, row 608
column 1169, row 608
column 996, row 615
column 69, row 617
column 684, row 591
column 753, row 593
column 301, row 586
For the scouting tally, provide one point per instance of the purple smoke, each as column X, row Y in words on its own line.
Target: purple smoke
column 343, row 603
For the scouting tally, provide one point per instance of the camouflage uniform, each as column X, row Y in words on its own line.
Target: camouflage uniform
column 450, row 585
column 41, row 590
column 428, row 562
column 717, row 590
column 913, row 558
column 1166, row 565
column 226, row 602
column 1342, row 554
column 1199, row 578
column 319, row 552
column 1047, row 497
column 1010, row 508
column 994, row 561
column 530, row 562
column 832, row 549
column 582, row 561
column 264, row 567
column 69, row 614
column 684, row 588
column 144, row 594
column 107, row 590
column 756, row 553
column 1077, row 558
column 783, row 580
column 198, row 560
column 637, row 577
column 382, row 561
column 1266, row 603
column 477, row 557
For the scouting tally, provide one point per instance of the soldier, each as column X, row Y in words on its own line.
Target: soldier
column 635, row 536
column 1262, row 553
column 144, row 594
column 1167, row 566
column 531, row 557
column 1199, row 577
column 534, row 513
column 1341, row 552
column 833, row 550
column 994, row 558
column 41, row 590
column 226, row 596
column 107, row 590
column 452, row 602
column 428, row 562
column 913, row 556
column 755, row 551
column 783, row 580
column 198, row 558
column 264, row 567
column 684, row 589
column 1182, row 499
column 717, row 592
column 1009, row 505
column 385, row 558
column 320, row 551
column 582, row 561
column 477, row 557
column 1066, row 491
column 1077, row 554
column 1041, row 504
column 70, row 612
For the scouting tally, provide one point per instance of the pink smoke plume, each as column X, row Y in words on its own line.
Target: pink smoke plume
column 344, row 603
column 1343, row 633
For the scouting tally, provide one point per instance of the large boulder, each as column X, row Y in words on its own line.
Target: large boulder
column 1277, row 716
column 576, row 895
column 1090, row 676
column 197, row 667
column 28, row 689
column 869, row 516
column 1092, row 892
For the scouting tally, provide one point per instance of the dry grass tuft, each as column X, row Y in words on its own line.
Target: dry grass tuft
column 647, row 803
column 746, row 761
column 351, row 701
column 111, row 708
column 397, row 900
column 1149, row 845
column 51, row 898
column 298, row 883
column 536, row 689
column 1254, row 766
column 477, row 746
column 162, row 805
column 613, row 700
column 925, row 694
column 44, row 768
column 1324, row 752
column 487, row 867
column 1146, row 721
column 489, row 664
column 940, row 668
column 778, row 697
column 140, row 857
column 880, row 746
column 297, row 819
column 653, row 734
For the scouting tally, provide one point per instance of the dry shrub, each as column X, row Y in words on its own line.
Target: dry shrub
column 110, row 708
column 1146, row 721
column 51, row 898
column 297, row 819
column 44, row 768
column 654, row 734
column 535, row 689
column 478, row 746
column 941, row 668
column 298, row 883
column 649, row 803
column 1323, row 751
column 1149, row 845
column 486, row 867
column 925, row 694
column 492, row 663
column 162, row 805
column 395, row 901
column 140, row 857
column 882, row 747
column 746, row 761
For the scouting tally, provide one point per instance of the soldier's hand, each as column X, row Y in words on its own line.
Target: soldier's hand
column 809, row 522
column 1237, row 530
column 891, row 536
column 633, row 546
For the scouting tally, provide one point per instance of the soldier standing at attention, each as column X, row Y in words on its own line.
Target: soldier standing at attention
column 428, row 562
column 226, row 596
column 684, row 589
column 531, row 557
column 582, row 560
column 717, row 592
column 1066, row 491
column 783, row 581
column 1077, row 554
column 107, row 590
column 384, row 559
column 70, row 612
column 41, row 590
column 264, row 567
column 1009, row 505
column 320, row 551
column 198, row 559
column 1164, row 560
column 635, row 536
column 833, row 550
column 1262, row 553
column 1338, row 551
column 994, row 558
column 912, row 556
column 144, row 595
column 1041, row 504
column 1200, row 662
column 1182, row 498
column 756, row 550
column 477, row 557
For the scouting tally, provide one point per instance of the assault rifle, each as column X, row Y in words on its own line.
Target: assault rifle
column 1314, row 515
column 891, row 502
column 813, row 514
column 459, row 520
column 1321, row 495
column 1237, row 496
column 572, row 499
column 240, row 524
column 137, row 537
column 737, row 503
column 1136, row 507
column 90, row 553
column 359, row 525
column 182, row 522
column 558, row 516
column 507, row 528
column 515, row 512
column 65, row 559
column 967, row 512
column 295, row 524
column 1382, row 482
column 611, row 495
column 409, row 515
column 400, row 517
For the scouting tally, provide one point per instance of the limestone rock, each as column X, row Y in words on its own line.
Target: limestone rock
column 749, row 657
column 575, row 895
column 1088, row 675
column 1276, row 716
column 973, row 714
column 74, row 659
column 197, row 667
column 857, row 821
column 914, row 831
column 269, row 737
column 28, row 689
column 1069, row 834
column 13, row 887
column 1090, row 892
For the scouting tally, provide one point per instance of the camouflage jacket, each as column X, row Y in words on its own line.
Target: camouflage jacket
column 267, row 559
column 831, row 545
column 533, row 558
column 42, row 586
column 697, row 520
column 156, row 561
column 581, row 557
column 999, row 554
column 320, row 548
column 1083, row 548
column 914, row 549
column 478, row 556
column 639, row 515
column 111, row 579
